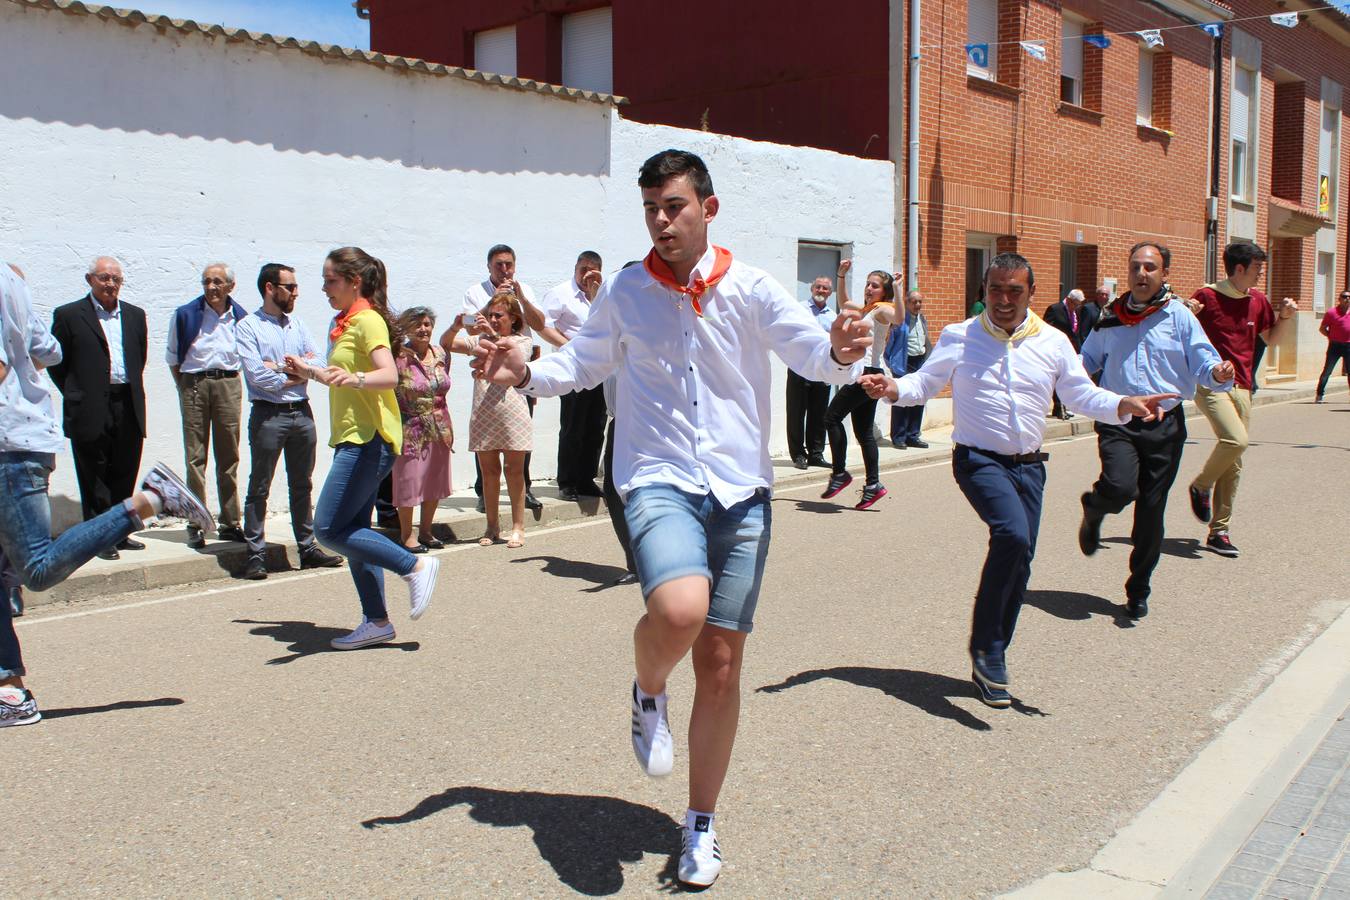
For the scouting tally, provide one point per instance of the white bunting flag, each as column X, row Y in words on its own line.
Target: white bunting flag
column 1152, row 37
column 1288, row 20
column 1035, row 49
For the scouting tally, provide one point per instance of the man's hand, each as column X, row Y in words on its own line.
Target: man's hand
column 590, row 283
column 1193, row 305
column 1145, row 408
column 880, row 387
column 850, row 336
column 1288, row 306
column 1224, row 371
column 499, row 362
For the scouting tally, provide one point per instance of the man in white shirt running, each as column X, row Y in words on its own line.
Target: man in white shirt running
column 1004, row 366
column 688, row 335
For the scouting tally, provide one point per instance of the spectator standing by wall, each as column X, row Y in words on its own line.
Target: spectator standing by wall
column 807, row 400
column 1335, row 328
column 1075, row 318
column 581, row 433
column 907, row 349
column 422, row 469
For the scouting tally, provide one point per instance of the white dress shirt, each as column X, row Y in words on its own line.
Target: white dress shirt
column 477, row 296
column 1002, row 392
column 215, row 347
column 111, row 323
column 692, row 395
column 566, row 308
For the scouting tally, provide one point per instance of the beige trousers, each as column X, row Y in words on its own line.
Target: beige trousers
column 211, row 409
column 1229, row 414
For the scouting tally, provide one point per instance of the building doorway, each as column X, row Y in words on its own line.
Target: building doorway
column 979, row 253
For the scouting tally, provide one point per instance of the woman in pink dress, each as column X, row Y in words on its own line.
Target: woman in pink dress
column 422, row 470
column 500, row 429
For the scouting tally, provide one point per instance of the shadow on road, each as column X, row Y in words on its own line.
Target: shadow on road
column 306, row 639
column 925, row 690
column 828, row 507
column 586, row 839
column 110, row 707
column 1183, row 548
column 595, row 573
column 1078, row 607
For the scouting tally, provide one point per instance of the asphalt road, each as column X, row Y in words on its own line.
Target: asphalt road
column 205, row 742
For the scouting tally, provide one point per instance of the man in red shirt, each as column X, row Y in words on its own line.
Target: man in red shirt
column 1336, row 328
column 1234, row 314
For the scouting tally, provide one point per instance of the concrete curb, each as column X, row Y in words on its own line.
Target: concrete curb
column 171, row 563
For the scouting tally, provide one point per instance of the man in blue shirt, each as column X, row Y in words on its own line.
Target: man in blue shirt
column 807, row 400
column 1147, row 342
column 281, row 420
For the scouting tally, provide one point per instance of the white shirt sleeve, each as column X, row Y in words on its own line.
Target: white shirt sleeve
column 584, row 361
column 925, row 384
column 795, row 336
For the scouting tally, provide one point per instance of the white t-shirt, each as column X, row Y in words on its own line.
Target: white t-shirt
column 476, row 296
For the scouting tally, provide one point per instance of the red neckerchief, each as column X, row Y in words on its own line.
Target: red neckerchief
column 659, row 269
column 342, row 321
column 1130, row 318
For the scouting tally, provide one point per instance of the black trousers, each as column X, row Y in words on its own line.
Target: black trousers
column 806, row 403
column 852, row 400
column 614, row 503
column 106, row 467
column 1336, row 351
column 581, row 436
column 1139, row 464
column 478, row 470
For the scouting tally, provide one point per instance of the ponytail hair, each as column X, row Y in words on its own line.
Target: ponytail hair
column 354, row 263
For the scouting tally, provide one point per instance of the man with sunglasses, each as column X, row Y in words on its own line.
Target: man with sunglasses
column 280, row 420
column 1335, row 328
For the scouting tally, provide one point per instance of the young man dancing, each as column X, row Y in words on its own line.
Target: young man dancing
column 688, row 335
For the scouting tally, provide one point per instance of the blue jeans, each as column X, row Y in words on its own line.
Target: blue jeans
column 676, row 533
column 26, row 541
column 907, row 421
column 1007, row 497
column 342, row 520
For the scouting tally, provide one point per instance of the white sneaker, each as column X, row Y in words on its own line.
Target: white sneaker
column 365, row 635
column 652, row 743
column 700, row 858
column 177, row 499
column 17, row 707
column 421, row 585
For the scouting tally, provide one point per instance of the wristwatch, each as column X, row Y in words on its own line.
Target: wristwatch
column 360, row 380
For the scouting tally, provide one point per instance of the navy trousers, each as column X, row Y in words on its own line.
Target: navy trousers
column 1006, row 495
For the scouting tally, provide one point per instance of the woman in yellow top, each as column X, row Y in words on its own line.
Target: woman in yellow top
column 367, row 433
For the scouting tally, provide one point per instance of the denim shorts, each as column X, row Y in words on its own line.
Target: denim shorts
column 676, row 533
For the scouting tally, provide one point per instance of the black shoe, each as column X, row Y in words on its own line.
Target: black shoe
column 919, row 443
column 387, row 522
column 799, row 462
column 899, row 445
column 998, row 698
column 532, row 502
column 1200, row 504
column 817, row 461
column 130, row 544
column 16, row 602
column 590, row 489
column 838, row 481
column 196, row 539
column 230, row 533
column 317, row 559
column 568, row 493
column 1221, row 545
column 1089, row 530
column 990, row 669
column 110, row 553
column 431, row 543
column 1065, row 415
column 255, row 569
column 1136, row 607
column 419, row 547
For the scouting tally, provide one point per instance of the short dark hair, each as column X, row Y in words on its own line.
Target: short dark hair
column 590, row 256
column 1241, row 253
column 669, row 164
column 1010, row 262
column 271, row 274
column 498, row 249
column 1162, row 251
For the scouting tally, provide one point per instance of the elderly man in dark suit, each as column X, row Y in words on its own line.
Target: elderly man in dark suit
column 103, row 345
column 1076, row 318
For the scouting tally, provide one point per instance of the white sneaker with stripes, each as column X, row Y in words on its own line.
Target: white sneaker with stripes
column 652, row 743
column 700, row 857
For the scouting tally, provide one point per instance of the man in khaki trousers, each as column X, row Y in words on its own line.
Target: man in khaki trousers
column 203, row 356
column 1234, row 314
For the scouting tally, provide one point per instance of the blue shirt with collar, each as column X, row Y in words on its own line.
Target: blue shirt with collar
column 823, row 314
column 263, row 336
column 1167, row 353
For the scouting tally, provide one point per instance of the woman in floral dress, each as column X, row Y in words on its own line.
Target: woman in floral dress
column 422, row 470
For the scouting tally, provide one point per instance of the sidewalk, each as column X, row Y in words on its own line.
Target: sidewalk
column 167, row 561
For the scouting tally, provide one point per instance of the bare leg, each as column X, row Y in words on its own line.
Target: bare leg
column 405, row 526
column 515, row 487
column 716, row 711
column 675, row 615
column 490, row 462
column 16, row 681
column 428, row 518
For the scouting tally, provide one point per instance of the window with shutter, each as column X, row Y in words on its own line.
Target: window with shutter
column 588, row 50
column 1144, row 109
column 1071, row 62
column 982, row 28
column 495, row 51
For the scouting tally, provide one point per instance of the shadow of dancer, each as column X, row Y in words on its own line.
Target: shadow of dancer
column 110, row 707
column 817, row 506
column 1074, row 606
column 1182, row 548
column 924, row 690
column 595, row 573
column 586, row 839
column 306, row 638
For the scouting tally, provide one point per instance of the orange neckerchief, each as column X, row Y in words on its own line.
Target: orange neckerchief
column 342, row 321
column 659, row 269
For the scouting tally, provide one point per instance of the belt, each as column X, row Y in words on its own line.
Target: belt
column 119, row 389
column 214, row 373
column 293, row 404
column 1016, row 459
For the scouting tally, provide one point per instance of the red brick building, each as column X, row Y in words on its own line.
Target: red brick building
column 1068, row 159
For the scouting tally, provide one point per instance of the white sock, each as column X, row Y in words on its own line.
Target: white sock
column 697, row 821
column 643, row 695
column 11, row 694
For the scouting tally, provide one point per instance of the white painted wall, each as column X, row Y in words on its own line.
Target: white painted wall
column 170, row 151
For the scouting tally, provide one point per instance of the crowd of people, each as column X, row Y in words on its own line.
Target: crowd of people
column 674, row 353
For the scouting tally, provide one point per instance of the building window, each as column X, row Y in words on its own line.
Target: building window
column 1071, row 62
column 1144, row 107
column 1328, row 161
column 495, row 51
column 588, row 50
column 982, row 28
column 1242, row 128
column 817, row 259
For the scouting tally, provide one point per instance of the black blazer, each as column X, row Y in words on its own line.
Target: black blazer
column 1057, row 314
column 82, row 376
